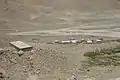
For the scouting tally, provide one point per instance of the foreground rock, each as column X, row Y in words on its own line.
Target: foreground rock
column 35, row 62
column 20, row 45
column 1, row 51
column 20, row 53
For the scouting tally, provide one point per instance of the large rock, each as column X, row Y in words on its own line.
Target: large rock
column 1, row 51
column 20, row 45
column 20, row 53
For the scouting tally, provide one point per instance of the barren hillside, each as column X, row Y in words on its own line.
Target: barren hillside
column 76, row 4
column 30, row 15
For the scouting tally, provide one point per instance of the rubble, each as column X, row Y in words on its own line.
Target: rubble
column 13, row 61
column 1, row 51
column 1, row 75
column 20, row 53
column 38, row 61
column 73, row 77
column 32, row 77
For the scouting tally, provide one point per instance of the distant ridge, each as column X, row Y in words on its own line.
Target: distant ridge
column 82, row 5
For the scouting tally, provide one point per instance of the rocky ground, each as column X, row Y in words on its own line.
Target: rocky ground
column 54, row 62
column 19, row 65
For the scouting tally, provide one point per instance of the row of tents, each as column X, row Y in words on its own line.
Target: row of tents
column 75, row 41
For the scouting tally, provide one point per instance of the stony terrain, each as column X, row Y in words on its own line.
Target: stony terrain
column 17, row 65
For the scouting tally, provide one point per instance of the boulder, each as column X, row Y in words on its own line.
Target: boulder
column 20, row 45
